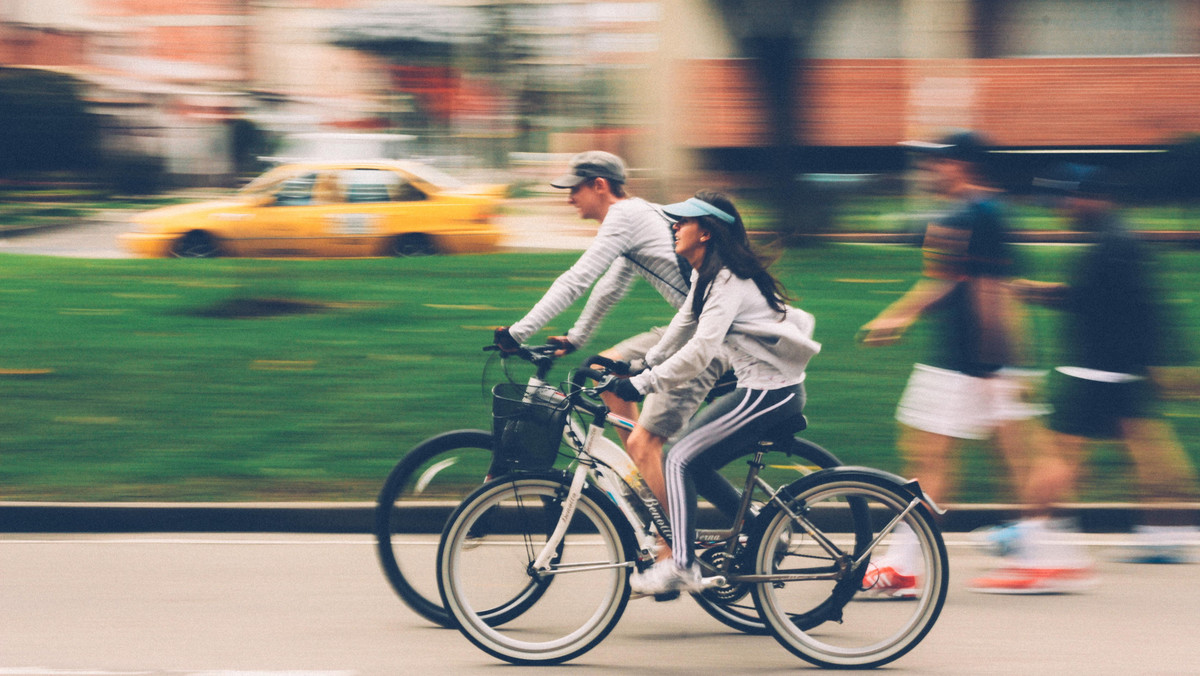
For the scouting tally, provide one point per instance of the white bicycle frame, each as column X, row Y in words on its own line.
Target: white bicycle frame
column 614, row 472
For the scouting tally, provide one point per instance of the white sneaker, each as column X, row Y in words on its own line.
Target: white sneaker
column 1003, row 539
column 664, row 578
column 1160, row 544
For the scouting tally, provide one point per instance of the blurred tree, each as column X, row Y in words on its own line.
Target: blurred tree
column 776, row 35
column 45, row 124
column 430, row 46
column 249, row 144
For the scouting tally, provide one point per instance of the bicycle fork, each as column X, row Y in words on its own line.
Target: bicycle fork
column 542, row 563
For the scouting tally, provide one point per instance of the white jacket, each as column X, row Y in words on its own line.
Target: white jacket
column 767, row 349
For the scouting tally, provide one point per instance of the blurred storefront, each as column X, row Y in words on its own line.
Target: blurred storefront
column 666, row 83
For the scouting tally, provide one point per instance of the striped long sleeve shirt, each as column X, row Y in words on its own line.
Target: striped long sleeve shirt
column 634, row 239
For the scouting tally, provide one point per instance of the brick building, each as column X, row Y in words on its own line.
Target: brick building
column 657, row 80
column 1032, row 75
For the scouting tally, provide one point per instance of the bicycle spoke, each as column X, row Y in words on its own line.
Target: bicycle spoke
column 829, row 621
column 578, row 600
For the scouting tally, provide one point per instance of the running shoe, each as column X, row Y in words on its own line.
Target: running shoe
column 886, row 582
column 1029, row 580
column 1002, row 539
column 1160, row 544
column 1159, row 554
column 665, row 578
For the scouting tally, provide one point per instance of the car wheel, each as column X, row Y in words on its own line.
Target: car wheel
column 415, row 244
column 196, row 244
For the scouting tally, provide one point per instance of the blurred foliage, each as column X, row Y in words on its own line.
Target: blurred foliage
column 45, row 121
column 134, row 174
column 1171, row 176
column 250, row 143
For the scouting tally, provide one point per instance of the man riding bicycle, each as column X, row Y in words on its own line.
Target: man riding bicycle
column 634, row 239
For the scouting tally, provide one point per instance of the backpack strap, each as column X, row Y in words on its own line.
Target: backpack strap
column 685, row 268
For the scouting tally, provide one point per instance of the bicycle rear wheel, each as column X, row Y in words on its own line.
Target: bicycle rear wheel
column 485, row 558
column 732, row 604
column 868, row 634
column 413, row 507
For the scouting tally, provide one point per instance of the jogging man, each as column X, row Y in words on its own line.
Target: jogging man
column 1117, row 335
column 634, row 239
column 962, row 391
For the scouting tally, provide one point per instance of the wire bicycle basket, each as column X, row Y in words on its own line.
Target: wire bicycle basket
column 527, row 423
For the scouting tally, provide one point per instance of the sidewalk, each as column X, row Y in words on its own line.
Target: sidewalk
column 358, row 517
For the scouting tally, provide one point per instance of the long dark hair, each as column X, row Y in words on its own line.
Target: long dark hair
column 729, row 247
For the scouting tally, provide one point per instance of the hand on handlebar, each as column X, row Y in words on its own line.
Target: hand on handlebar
column 617, row 368
column 625, row 390
column 564, row 346
column 504, row 340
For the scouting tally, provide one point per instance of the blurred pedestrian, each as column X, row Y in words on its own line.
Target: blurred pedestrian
column 634, row 239
column 1115, row 334
column 963, row 390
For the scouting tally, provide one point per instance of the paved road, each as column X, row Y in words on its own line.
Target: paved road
column 317, row 604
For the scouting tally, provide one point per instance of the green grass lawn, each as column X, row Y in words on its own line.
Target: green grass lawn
column 125, row 379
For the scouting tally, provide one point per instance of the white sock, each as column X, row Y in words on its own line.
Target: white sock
column 1046, row 543
column 903, row 553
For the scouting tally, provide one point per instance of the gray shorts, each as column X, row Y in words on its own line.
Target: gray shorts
column 665, row 413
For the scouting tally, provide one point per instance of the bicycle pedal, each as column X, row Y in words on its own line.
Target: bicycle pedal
column 667, row 596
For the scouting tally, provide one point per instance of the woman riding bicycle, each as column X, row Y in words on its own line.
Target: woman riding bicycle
column 736, row 305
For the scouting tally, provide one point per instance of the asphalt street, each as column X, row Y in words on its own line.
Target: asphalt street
column 275, row 604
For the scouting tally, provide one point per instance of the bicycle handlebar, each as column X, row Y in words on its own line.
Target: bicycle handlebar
column 526, row 352
column 605, row 378
column 578, row 376
column 541, row 356
column 620, row 368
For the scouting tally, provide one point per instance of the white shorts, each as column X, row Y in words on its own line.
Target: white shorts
column 954, row 404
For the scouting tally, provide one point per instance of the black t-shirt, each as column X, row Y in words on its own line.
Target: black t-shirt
column 962, row 247
column 1115, row 319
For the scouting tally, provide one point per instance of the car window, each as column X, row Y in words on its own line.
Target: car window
column 296, row 191
column 377, row 185
column 435, row 177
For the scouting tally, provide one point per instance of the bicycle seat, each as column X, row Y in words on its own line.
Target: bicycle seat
column 786, row 429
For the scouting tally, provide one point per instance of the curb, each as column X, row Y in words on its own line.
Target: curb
column 358, row 517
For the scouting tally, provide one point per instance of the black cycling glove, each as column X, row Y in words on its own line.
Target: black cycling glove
column 504, row 340
column 625, row 390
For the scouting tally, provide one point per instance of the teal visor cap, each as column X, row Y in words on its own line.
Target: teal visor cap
column 695, row 208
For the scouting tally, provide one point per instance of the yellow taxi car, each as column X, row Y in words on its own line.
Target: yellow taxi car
column 329, row 209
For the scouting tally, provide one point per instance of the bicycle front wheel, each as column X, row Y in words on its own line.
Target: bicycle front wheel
column 486, row 557
column 873, row 629
column 413, row 507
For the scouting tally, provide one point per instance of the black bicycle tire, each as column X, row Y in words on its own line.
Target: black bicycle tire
column 856, row 475
column 398, row 479
column 605, row 507
column 746, row 621
column 843, row 592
